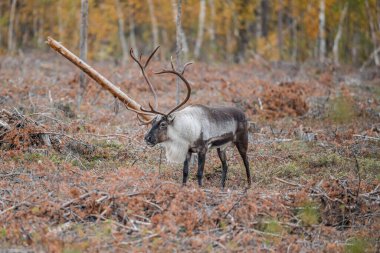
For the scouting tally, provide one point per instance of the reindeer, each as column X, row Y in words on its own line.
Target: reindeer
column 194, row 129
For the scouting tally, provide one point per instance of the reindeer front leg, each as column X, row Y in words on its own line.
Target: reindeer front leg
column 186, row 168
column 201, row 165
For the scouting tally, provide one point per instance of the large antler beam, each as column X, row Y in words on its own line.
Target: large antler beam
column 101, row 80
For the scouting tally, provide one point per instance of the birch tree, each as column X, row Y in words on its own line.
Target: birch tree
column 322, row 36
column 373, row 33
column 279, row 29
column 153, row 21
column 211, row 26
column 11, row 45
column 121, row 32
column 339, row 34
column 201, row 23
column 83, row 48
column 179, row 30
column 179, row 45
column 132, row 34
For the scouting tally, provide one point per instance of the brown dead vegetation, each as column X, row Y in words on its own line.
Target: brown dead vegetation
column 97, row 187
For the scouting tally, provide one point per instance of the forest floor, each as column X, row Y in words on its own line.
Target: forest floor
column 74, row 180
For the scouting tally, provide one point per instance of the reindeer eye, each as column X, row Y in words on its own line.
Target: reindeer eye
column 163, row 124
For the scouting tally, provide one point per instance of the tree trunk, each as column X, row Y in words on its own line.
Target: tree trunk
column 294, row 40
column 264, row 17
column 339, row 34
column 279, row 29
column 322, row 35
column 83, row 48
column 123, row 41
column 373, row 33
column 11, row 46
column 40, row 37
column 101, row 80
column 132, row 34
column 1, row 14
column 293, row 32
column 183, row 40
column 178, row 46
column 258, row 32
column 60, row 25
column 201, row 23
column 242, row 34
column 153, row 20
column 211, row 28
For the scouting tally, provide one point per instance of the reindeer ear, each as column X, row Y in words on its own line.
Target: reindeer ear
column 171, row 118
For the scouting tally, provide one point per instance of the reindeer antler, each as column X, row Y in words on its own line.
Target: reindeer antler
column 180, row 75
column 143, row 67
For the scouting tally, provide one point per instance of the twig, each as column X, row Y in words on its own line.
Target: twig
column 140, row 240
column 106, row 135
column 289, row 183
column 14, row 207
column 83, row 196
column 153, row 204
column 159, row 165
column 365, row 137
column 359, row 177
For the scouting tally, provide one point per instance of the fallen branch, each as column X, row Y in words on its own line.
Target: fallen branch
column 101, row 80
column 83, row 196
column 286, row 182
column 365, row 137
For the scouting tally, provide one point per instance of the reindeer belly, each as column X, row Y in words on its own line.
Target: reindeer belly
column 221, row 141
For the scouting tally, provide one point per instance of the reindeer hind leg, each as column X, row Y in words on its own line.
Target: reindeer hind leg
column 242, row 147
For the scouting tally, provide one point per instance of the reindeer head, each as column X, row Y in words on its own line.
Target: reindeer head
column 158, row 133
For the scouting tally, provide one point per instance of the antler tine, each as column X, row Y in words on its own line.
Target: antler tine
column 139, row 112
column 132, row 54
column 186, row 83
column 151, row 111
column 184, row 67
column 144, row 122
column 151, row 56
column 142, row 68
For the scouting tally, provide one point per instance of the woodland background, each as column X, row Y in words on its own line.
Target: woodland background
column 76, row 175
column 231, row 31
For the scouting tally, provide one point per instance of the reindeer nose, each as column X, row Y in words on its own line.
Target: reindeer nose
column 148, row 138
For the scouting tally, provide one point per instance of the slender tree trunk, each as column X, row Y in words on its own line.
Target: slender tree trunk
column 11, row 46
column 178, row 46
column 354, row 50
column 211, row 28
column 242, row 33
column 83, row 48
column 60, row 25
column 294, row 40
column 338, row 35
column 293, row 32
column 40, row 38
column 378, row 13
column 258, row 32
column 264, row 17
column 153, row 20
column 132, row 34
column 322, row 35
column 1, row 14
column 123, row 41
column 183, row 40
column 201, row 23
column 373, row 33
column 279, row 31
